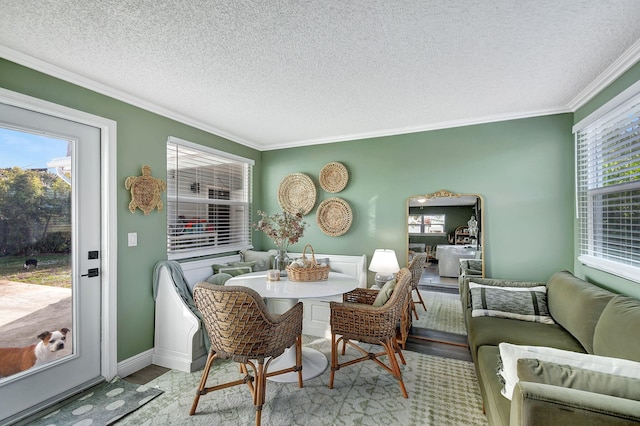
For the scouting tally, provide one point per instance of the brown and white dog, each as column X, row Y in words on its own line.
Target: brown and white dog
column 15, row 360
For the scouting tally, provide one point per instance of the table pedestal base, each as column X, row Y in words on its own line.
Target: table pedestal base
column 313, row 364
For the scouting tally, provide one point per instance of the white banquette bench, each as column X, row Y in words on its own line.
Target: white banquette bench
column 179, row 343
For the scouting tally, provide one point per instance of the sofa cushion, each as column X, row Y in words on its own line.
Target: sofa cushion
column 491, row 331
column 525, row 304
column 474, row 264
column 616, row 333
column 496, row 406
column 576, row 305
column 509, row 355
column 550, row 373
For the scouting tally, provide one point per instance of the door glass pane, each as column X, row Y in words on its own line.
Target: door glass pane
column 35, row 249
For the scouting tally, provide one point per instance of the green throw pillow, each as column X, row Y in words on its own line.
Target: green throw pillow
column 550, row 373
column 245, row 267
column 216, row 267
column 235, row 270
column 240, row 264
column 219, row 279
column 385, row 293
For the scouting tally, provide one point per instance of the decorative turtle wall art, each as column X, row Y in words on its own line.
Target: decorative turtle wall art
column 145, row 191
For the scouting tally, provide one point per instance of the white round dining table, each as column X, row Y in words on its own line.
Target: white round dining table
column 314, row 362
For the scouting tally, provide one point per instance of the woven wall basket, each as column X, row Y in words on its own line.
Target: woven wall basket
column 334, row 216
column 334, row 177
column 297, row 193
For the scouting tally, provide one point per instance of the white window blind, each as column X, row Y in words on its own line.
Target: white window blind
column 608, row 190
column 208, row 200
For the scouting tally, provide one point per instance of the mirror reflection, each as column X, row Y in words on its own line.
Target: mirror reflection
column 447, row 227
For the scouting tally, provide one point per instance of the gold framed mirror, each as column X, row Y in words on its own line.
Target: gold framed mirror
column 448, row 227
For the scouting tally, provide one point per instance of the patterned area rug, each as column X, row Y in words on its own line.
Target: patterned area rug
column 444, row 312
column 441, row 392
column 102, row 405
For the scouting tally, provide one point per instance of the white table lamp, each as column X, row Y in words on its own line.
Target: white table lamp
column 385, row 264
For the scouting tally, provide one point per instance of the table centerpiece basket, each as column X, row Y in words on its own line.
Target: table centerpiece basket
column 305, row 269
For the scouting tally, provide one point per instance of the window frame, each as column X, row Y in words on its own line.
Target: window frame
column 202, row 220
column 590, row 252
column 422, row 225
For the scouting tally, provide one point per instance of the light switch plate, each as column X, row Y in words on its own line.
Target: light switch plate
column 132, row 239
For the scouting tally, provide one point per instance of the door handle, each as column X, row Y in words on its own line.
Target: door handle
column 93, row 272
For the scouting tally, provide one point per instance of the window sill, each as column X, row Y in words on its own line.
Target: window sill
column 628, row 272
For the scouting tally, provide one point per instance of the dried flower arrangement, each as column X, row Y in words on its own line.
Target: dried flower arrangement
column 283, row 228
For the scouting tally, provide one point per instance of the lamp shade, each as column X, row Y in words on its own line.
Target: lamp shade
column 384, row 261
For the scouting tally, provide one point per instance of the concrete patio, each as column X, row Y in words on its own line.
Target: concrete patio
column 26, row 310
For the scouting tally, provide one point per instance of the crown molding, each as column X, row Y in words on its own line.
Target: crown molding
column 615, row 70
column 418, row 129
column 621, row 65
column 79, row 80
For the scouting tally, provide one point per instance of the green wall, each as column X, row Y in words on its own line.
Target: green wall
column 522, row 168
column 142, row 138
column 605, row 279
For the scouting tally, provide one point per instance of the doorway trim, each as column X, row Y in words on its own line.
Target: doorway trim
column 109, row 222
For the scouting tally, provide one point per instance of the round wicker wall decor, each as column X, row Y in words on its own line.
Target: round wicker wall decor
column 297, row 193
column 334, row 216
column 333, row 177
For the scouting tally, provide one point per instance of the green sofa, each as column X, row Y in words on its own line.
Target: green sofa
column 588, row 319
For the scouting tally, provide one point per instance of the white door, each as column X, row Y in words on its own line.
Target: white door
column 42, row 297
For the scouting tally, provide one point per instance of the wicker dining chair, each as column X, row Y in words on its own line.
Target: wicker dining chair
column 242, row 329
column 355, row 320
column 416, row 266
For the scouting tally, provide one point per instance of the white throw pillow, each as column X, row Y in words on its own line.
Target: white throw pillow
column 510, row 354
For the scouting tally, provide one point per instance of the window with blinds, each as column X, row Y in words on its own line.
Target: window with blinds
column 608, row 188
column 425, row 224
column 208, row 200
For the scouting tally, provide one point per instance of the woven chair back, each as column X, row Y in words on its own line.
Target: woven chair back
column 403, row 287
column 416, row 266
column 397, row 303
column 239, row 324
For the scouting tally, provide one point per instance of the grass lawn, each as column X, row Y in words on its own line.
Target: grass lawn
column 53, row 270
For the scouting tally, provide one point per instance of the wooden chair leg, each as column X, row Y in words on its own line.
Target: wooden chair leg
column 413, row 309
column 334, row 359
column 299, row 359
column 395, row 368
column 398, row 350
column 421, row 300
column 261, row 377
column 344, row 346
column 203, row 382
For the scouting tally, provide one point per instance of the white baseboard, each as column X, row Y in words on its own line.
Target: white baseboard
column 135, row 363
column 179, row 363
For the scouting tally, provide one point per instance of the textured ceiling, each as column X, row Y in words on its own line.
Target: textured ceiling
column 275, row 73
